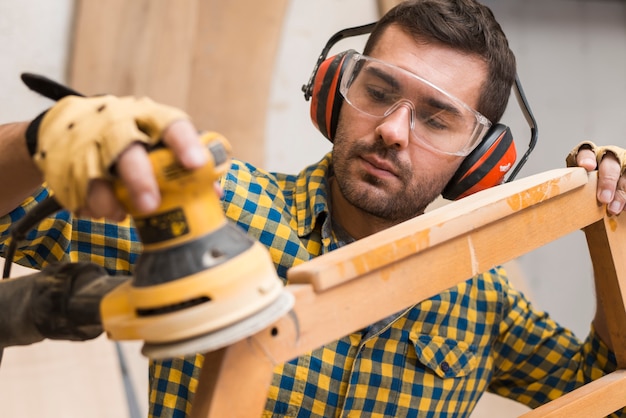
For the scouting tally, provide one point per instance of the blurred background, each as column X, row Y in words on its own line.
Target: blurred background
column 238, row 67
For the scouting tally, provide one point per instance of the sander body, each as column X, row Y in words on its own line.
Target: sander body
column 201, row 282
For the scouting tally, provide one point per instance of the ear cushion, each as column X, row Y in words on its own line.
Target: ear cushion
column 325, row 97
column 485, row 166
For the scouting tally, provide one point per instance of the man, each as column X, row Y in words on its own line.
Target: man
column 432, row 69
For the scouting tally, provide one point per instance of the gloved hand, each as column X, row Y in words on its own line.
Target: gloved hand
column 79, row 139
column 599, row 151
column 65, row 300
column 610, row 161
column 61, row 302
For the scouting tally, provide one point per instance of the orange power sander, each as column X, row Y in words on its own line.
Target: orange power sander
column 201, row 283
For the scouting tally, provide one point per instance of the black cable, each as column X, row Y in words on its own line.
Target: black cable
column 131, row 398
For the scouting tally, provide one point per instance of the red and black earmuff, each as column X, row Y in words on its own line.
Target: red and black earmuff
column 486, row 166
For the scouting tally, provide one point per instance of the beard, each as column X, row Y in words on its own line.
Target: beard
column 392, row 201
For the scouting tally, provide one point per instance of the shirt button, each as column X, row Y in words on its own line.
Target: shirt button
column 444, row 366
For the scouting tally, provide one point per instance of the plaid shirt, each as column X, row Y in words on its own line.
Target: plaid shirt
column 434, row 359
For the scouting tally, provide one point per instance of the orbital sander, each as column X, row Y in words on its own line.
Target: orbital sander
column 200, row 283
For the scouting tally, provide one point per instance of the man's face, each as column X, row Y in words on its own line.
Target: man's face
column 380, row 167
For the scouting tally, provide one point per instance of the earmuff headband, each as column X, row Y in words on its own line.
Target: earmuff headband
column 307, row 89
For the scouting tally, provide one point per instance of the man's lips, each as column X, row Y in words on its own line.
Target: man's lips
column 379, row 166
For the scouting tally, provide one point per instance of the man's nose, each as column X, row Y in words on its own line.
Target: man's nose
column 395, row 127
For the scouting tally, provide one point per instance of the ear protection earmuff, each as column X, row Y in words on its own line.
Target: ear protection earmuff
column 486, row 166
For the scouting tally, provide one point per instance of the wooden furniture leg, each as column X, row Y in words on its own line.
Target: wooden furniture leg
column 607, row 246
column 385, row 5
column 241, row 360
column 473, row 234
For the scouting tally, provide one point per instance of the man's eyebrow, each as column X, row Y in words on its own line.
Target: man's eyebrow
column 431, row 101
column 448, row 107
column 383, row 75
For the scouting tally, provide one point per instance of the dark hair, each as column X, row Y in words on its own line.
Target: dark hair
column 467, row 26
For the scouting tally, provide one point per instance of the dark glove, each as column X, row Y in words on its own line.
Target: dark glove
column 60, row 302
column 65, row 300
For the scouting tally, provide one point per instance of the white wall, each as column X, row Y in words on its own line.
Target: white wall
column 572, row 62
column 292, row 140
column 34, row 37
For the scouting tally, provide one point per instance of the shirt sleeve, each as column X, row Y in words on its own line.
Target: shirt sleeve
column 172, row 384
column 62, row 237
column 536, row 360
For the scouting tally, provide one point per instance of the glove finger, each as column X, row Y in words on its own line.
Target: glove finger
column 571, row 159
column 618, row 153
column 117, row 139
column 154, row 118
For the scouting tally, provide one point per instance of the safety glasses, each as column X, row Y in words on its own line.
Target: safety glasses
column 438, row 120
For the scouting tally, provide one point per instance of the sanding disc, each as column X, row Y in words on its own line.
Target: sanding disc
column 225, row 336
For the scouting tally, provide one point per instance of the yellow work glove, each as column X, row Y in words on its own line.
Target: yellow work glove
column 81, row 138
column 600, row 151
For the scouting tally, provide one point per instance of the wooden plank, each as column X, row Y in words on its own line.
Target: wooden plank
column 475, row 238
column 607, row 246
column 234, row 57
column 598, row 399
column 243, row 361
column 472, row 236
column 140, row 47
column 444, row 224
column 212, row 58
column 385, row 5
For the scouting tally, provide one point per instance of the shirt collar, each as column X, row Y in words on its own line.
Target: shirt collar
column 312, row 197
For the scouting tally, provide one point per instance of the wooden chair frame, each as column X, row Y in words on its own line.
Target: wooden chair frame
column 473, row 234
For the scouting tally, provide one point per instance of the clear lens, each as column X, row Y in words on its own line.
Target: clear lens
column 438, row 119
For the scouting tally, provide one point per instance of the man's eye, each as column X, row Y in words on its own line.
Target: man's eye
column 380, row 95
column 440, row 119
column 434, row 121
column 437, row 124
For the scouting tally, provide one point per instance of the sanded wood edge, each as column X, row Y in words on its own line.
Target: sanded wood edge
column 594, row 400
column 433, row 228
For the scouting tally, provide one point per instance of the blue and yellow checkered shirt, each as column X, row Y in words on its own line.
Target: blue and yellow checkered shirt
column 434, row 359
